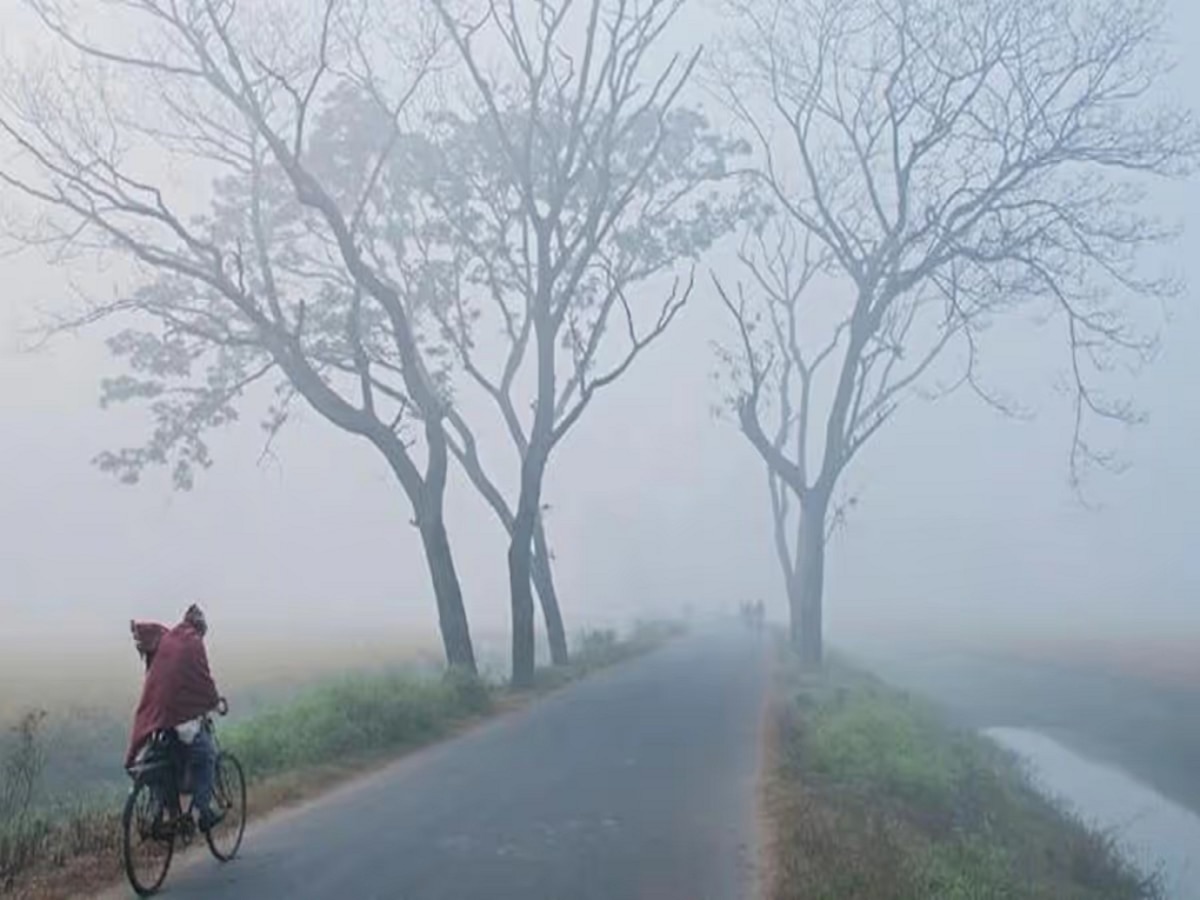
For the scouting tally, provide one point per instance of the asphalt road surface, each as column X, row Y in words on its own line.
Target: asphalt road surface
column 636, row 784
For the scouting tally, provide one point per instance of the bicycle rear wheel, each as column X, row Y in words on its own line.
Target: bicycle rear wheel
column 148, row 838
column 229, row 796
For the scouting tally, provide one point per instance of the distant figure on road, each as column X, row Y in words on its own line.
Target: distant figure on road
column 752, row 614
column 178, row 691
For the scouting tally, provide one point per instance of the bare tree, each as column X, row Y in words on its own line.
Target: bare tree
column 281, row 272
column 927, row 168
column 572, row 184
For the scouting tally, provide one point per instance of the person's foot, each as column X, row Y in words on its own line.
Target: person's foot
column 210, row 820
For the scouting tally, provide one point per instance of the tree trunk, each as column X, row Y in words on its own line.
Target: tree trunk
column 520, row 570
column 520, row 557
column 428, row 498
column 543, row 581
column 794, row 614
column 543, row 570
column 807, row 588
column 452, row 615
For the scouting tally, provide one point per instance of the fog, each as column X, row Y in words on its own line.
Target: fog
column 966, row 524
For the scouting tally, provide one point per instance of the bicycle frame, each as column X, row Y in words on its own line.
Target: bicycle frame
column 164, row 766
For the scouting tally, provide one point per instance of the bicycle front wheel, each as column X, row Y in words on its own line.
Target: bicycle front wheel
column 229, row 796
column 148, row 838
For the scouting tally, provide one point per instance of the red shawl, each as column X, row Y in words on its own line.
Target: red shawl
column 178, row 686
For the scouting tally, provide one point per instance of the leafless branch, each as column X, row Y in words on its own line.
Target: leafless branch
column 950, row 164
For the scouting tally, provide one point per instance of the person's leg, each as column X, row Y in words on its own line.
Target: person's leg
column 203, row 757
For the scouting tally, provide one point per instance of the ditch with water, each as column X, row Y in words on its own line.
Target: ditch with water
column 1157, row 834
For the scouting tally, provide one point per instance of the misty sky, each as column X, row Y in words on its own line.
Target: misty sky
column 966, row 520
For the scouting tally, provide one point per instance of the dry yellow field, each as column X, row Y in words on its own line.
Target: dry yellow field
column 1168, row 661
column 105, row 675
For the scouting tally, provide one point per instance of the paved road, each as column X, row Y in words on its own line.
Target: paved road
column 637, row 784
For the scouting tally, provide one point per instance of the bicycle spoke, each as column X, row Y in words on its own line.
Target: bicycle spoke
column 148, row 839
column 229, row 794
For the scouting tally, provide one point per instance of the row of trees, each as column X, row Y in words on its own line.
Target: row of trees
column 389, row 182
column 383, row 205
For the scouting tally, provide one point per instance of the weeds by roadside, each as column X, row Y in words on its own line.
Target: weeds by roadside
column 355, row 716
column 597, row 648
column 21, row 830
column 874, row 797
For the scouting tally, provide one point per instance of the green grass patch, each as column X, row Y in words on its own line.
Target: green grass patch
column 876, row 797
column 921, row 765
column 354, row 717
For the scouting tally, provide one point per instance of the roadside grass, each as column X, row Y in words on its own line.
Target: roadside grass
column 356, row 716
column 291, row 751
column 872, row 796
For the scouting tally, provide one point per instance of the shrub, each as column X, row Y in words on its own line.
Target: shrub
column 21, row 831
column 596, row 648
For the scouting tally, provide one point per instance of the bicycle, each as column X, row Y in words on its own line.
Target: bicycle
column 154, row 820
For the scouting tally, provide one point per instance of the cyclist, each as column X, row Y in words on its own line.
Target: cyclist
column 177, row 693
